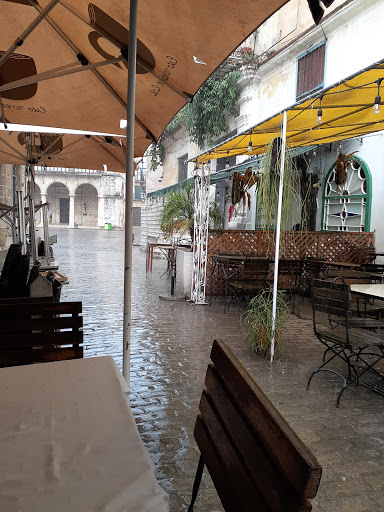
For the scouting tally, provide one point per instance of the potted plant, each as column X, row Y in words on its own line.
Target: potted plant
column 257, row 322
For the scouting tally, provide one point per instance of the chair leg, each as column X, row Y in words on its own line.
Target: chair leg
column 196, row 483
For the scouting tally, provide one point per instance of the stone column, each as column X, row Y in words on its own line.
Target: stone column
column 40, row 213
column 71, row 210
column 100, row 211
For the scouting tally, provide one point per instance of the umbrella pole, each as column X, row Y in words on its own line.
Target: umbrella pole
column 278, row 227
column 132, row 50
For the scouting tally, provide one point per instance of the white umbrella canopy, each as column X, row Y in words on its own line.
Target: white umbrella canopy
column 68, row 150
column 179, row 45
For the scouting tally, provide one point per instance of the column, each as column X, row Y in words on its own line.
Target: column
column 100, row 211
column 40, row 214
column 71, row 210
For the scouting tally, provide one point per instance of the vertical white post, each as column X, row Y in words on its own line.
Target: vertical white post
column 71, row 210
column 278, row 227
column 132, row 50
column 100, row 211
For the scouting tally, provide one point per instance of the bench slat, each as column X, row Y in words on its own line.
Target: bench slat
column 287, row 450
column 9, row 357
column 228, row 495
column 33, row 339
column 33, row 308
column 42, row 324
column 231, row 466
column 250, row 450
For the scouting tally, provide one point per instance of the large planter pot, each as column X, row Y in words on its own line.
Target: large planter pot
column 184, row 266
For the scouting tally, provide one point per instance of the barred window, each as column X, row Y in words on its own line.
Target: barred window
column 310, row 72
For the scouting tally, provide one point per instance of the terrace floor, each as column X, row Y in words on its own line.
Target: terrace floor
column 171, row 343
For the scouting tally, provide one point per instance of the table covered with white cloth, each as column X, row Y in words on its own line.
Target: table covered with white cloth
column 69, row 442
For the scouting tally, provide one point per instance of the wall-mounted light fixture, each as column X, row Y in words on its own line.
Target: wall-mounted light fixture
column 250, row 143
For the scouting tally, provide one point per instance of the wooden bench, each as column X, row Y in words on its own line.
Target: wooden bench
column 255, row 459
column 36, row 332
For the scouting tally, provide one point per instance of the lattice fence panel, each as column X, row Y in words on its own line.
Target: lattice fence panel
column 325, row 246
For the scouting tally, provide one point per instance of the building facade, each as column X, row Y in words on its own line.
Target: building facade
column 291, row 59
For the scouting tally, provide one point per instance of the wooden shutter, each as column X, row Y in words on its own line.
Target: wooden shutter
column 310, row 72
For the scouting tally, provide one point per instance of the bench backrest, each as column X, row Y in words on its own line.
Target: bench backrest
column 330, row 297
column 255, row 459
column 40, row 332
column 350, row 276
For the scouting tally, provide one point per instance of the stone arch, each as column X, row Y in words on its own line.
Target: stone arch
column 86, row 205
column 58, row 199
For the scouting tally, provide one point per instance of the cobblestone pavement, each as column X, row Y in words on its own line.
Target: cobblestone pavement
column 171, row 344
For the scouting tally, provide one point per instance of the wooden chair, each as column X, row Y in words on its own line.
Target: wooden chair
column 255, row 459
column 346, row 338
column 36, row 332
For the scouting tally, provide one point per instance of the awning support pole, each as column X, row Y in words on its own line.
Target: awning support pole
column 278, row 228
column 132, row 51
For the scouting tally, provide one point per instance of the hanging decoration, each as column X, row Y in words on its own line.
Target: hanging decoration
column 241, row 184
column 343, row 161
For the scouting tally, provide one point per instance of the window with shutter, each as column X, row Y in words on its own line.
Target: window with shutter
column 310, row 71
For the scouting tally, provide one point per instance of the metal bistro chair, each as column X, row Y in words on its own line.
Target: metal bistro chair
column 352, row 340
column 254, row 278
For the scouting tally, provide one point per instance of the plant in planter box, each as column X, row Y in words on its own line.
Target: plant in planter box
column 257, row 322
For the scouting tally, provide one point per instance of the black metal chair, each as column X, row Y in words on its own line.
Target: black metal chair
column 254, row 278
column 358, row 342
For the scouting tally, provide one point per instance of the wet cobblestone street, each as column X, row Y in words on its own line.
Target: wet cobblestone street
column 171, row 344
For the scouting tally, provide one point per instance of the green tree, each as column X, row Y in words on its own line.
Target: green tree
column 205, row 118
column 206, row 114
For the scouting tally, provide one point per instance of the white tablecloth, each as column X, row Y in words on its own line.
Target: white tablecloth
column 69, row 442
column 370, row 290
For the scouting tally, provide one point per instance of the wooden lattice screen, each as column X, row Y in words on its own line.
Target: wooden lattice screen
column 325, row 246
